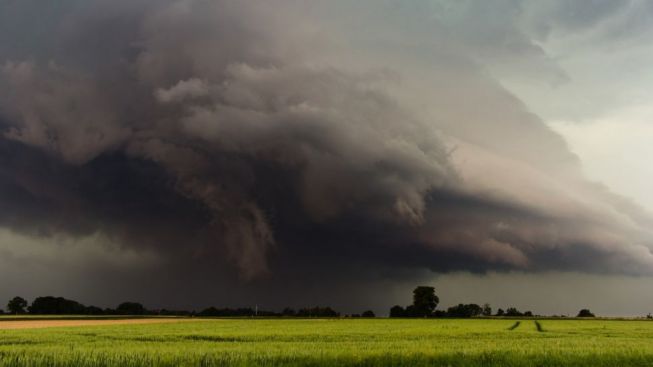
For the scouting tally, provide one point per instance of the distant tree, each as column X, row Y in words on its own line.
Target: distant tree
column 92, row 310
column 368, row 313
column 397, row 311
column 130, row 308
column 2, row 312
column 487, row 310
column 49, row 305
column 474, row 310
column 211, row 311
column 424, row 301
column 528, row 314
column 16, row 305
column 585, row 313
column 411, row 312
column 500, row 312
column 511, row 311
column 462, row 310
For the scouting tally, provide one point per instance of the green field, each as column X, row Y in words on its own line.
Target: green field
column 336, row 342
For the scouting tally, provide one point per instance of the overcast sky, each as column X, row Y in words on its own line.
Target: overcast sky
column 287, row 153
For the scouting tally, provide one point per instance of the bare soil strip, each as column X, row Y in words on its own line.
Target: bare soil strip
column 37, row 324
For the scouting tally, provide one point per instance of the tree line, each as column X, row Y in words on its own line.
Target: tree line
column 49, row 305
column 425, row 302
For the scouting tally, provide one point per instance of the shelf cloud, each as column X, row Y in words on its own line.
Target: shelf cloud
column 292, row 144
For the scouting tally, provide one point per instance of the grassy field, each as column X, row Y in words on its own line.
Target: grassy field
column 336, row 342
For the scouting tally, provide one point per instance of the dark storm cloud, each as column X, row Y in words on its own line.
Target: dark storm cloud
column 248, row 139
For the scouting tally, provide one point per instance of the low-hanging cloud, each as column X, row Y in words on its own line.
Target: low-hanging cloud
column 280, row 144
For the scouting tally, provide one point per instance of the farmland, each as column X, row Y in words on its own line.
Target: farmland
column 335, row 342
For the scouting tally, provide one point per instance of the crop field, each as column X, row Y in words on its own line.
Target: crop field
column 334, row 342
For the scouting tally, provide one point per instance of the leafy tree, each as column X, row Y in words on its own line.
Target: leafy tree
column 585, row 313
column 411, row 312
column 528, row 314
column 397, row 311
column 368, row 313
column 16, row 305
column 487, row 310
column 49, row 305
column 424, row 301
column 500, row 312
column 130, row 308
column 469, row 310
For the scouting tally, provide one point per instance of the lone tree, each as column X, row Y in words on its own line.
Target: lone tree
column 17, row 305
column 585, row 313
column 424, row 301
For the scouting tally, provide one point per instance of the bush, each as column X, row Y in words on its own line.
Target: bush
column 397, row 311
column 368, row 313
column 462, row 310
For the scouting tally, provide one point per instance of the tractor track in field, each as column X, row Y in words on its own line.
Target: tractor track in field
column 515, row 325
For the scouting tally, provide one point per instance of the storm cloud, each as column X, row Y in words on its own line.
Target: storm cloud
column 293, row 145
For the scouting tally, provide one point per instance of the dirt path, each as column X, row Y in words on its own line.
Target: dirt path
column 37, row 324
